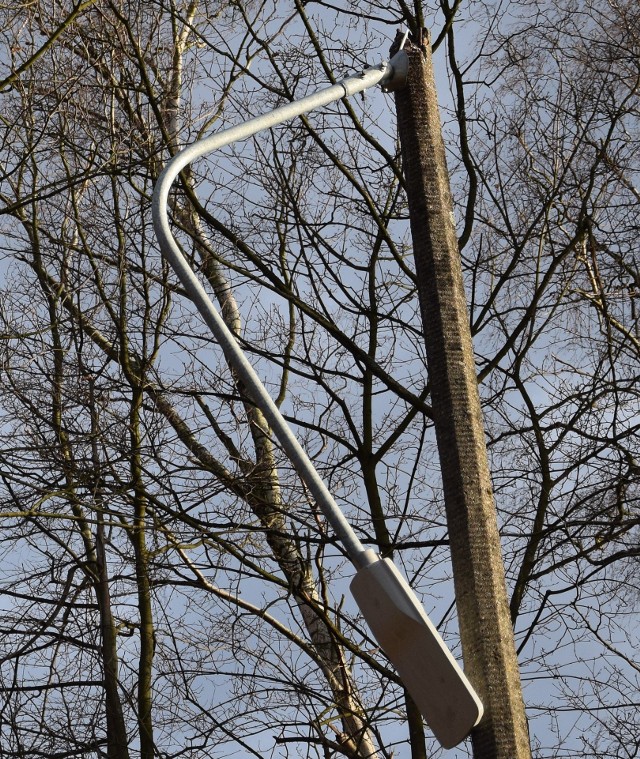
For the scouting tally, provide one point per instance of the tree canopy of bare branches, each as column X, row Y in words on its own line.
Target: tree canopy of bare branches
column 168, row 587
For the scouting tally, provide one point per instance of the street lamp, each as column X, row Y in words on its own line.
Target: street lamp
column 393, row 612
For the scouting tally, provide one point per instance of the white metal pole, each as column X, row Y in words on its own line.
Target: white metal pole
column 386, row 74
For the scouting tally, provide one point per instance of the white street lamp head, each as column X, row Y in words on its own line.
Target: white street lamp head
column 429, row 672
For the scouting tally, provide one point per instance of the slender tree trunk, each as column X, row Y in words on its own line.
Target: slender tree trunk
column 117, row 747
column 147, row 631
column 117, row 737
column 485, row 625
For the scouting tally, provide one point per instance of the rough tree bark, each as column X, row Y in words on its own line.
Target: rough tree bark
column 485, row 624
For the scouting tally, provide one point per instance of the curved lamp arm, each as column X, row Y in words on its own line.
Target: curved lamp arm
column 386, row 74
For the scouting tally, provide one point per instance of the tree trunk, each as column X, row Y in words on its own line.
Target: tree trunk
column 485, row 625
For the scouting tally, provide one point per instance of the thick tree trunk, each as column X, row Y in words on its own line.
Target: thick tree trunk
column 485, row 625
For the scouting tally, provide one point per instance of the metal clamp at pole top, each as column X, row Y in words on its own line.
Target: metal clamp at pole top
column 400, row 66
